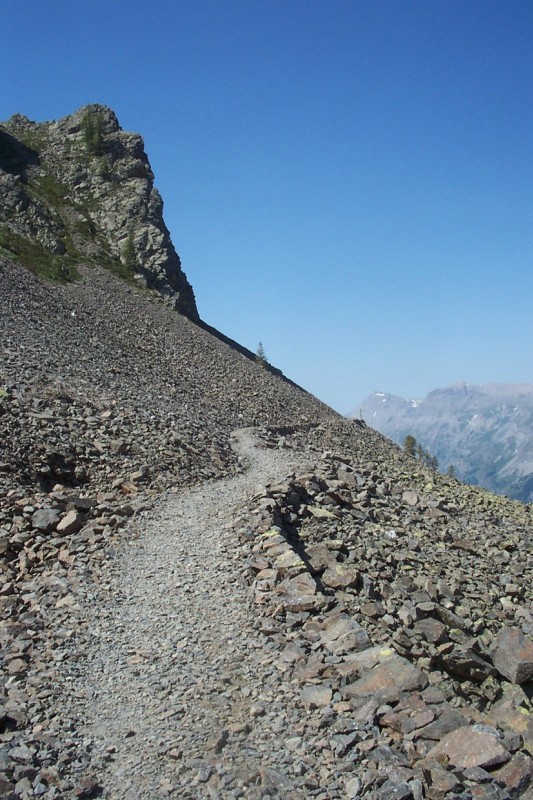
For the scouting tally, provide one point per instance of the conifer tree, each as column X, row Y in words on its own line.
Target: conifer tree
column 409, row 445
column 260, row 355
column 93, row 131
column 129, row 258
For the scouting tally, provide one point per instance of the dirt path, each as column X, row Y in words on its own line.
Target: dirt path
column 178, row 694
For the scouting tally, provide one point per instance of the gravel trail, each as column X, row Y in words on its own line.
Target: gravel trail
column 179, row 695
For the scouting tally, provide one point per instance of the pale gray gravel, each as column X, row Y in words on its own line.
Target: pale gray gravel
column 175, row 690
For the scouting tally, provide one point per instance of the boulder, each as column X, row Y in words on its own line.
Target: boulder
column 512, row 655
column 472, row 746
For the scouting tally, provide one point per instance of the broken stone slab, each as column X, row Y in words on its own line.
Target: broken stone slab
column 472, row 746
column 341, row 634
column 71, row 523
column 512, row 655
column 341, row 576
column 317, row 696
column 388, row 679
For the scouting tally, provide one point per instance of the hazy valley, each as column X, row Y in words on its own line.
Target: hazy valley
column 484, row 431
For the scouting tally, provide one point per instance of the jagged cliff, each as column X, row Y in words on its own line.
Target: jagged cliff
column 80, row 190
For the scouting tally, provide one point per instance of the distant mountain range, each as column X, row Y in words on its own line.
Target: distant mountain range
column 484, row 431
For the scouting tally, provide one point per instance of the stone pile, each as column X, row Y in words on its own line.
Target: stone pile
column 405, row 616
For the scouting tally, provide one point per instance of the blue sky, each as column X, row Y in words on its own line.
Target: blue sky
column 347, row 182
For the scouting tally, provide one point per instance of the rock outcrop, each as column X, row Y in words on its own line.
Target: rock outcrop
column 81, row 190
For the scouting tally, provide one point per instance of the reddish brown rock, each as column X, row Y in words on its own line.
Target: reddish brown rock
column 472, row 746
column 388, row 679
column 517, row 774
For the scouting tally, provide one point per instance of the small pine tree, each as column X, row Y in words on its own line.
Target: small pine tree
column 260, row 355
column 433, row 462
column 129, row 257
column 410, row 445
column 450, row 472
column 415, row 450
column 93, row 132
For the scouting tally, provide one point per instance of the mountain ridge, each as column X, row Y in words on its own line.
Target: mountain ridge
column 483, row 430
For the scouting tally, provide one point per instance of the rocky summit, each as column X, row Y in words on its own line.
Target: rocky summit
column 80, row 189
column 212, row 585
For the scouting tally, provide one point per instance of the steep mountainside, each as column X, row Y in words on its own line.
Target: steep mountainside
column 80, row 189
column 192, row 610
column 485, row 431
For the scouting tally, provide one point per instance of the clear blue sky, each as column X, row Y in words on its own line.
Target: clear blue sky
column 349, row 182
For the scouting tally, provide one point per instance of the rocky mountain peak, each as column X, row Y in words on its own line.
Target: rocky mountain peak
column 81, row 190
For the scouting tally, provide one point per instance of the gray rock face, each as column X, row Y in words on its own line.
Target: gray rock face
column 81, row 190
column 485, row 431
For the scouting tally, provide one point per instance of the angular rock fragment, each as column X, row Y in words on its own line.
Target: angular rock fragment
column 340, row 576
column 341, row 634
column 472, row 746
column 387, row 680
column 512, row 655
